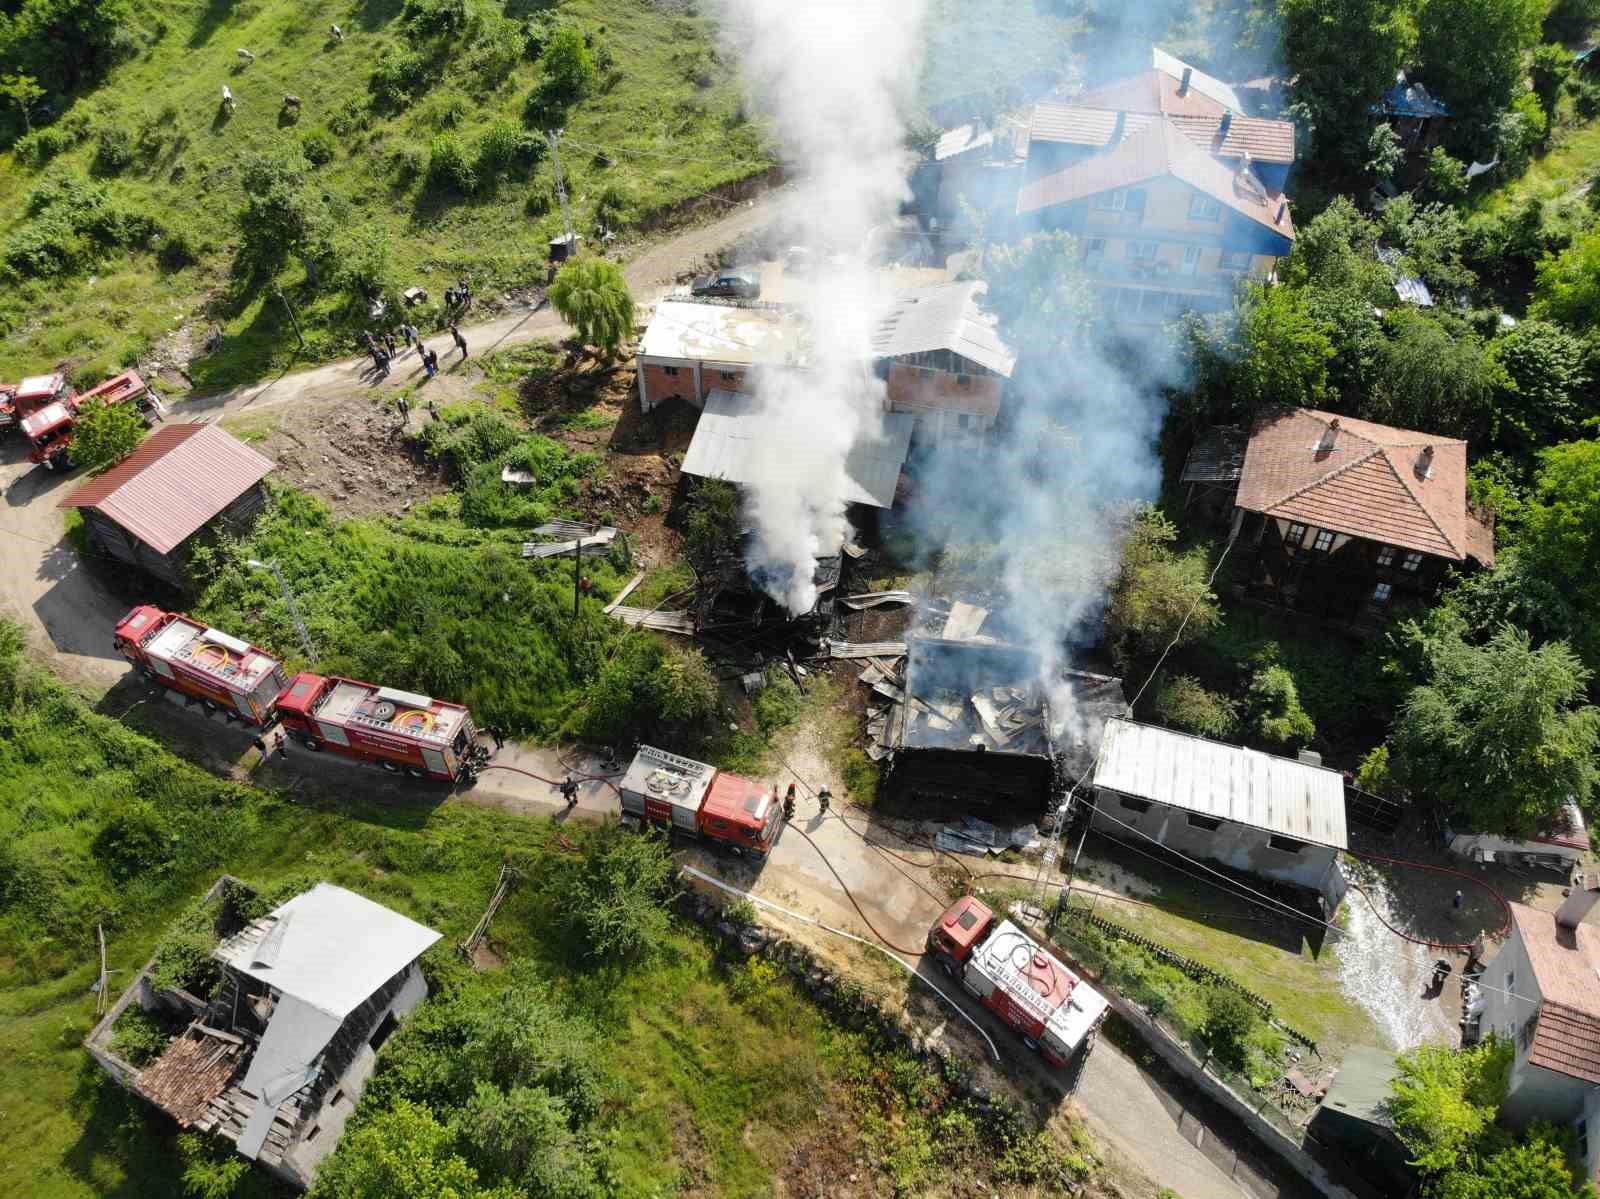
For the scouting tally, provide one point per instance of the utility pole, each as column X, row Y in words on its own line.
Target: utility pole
column 293, row 319
column 554, row 138
column 577, row 575
column 294, row 608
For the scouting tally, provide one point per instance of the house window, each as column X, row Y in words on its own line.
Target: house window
column 1381, row 593
column 1287, row 844
column 1114, row 200
column 337, row 1095
column 1296, row 535
column 1412, row 562
column 1511, row 980
column 1204, row 208
column 1386, row 555
column 312, row 1135
column 669, row 370
column 1236, row 260
column 1134, row 805
column 1094, row 254
column 1142, row 251
column 1581, row 1134
column 1191, row 261
column 729, row 376
column 1324, row 541
column 963, row 380
column 381, row 1034
column 1525, row 1036
column 1210, row 823
column 964, row 420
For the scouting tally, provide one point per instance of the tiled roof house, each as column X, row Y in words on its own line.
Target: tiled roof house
column 1343, row 518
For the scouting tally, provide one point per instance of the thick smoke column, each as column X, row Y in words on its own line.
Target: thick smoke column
column 833, row 74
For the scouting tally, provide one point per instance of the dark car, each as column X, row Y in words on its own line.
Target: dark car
column 741, row 284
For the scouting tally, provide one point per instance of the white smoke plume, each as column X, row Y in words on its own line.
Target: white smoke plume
column 835, row 76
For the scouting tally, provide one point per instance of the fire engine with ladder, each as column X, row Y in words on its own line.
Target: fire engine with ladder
column 701, row 802
column 49, row 411
column 1056, row 1013
column 399, row 731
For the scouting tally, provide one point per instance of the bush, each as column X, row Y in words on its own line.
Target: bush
column 1231, row 1019
column 399, row 77
column 647, row 686
column 319, row 146
column 778, row 704
column 449, row 167
column 114, row 150
column 183, row 962
column 1184, row 704
column 436, row 16
column 105, row 434
column 138, row 1037
column 1274, row 707
column 503, row 144
column 37, row 148
column 133, row 840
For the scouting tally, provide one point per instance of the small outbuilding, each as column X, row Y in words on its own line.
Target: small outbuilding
column 1354, row 1118
column 146, row 510
column 1254, row 812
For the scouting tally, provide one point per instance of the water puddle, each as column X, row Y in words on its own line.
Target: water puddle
column 1386, row 974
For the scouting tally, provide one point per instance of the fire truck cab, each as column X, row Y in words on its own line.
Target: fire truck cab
column 700, row 801
column 37, row 391
column 49, row 434
column 1056, row 1012
column 401, row 731
column 223, row 673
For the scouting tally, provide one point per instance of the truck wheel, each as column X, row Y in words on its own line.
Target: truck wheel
column 949, row 967
column 391, row 767
column 416, row 772
column 1032, row 1044
column 209, row 706
column 312, row 744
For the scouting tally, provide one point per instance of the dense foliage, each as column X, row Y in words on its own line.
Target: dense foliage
column 593, row 297
column 105, row 433
column 1161, row 594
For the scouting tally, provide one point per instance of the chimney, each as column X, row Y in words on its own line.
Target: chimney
column 1183, row 85
column 1330, row 438
column 1583, row 896
column 1283, row 211
column 1227, row 120
column 1425, row 463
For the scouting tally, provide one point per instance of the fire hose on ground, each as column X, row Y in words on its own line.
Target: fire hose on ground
column 1458, row 947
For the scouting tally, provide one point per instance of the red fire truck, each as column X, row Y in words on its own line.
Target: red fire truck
column 1015, row 977
column 48, row 417
column 20, row 400
column 398, row 730
column 221, row 672
column 700, row 801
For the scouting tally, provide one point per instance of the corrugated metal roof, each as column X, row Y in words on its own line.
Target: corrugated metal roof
column 1161, row 149
column 1081, row 125
column 698, row 331
column 726, row 445
column 944, row 317
column 1227, row 782
column 1361, row 1088
column 177, row 479
column 1206, row 85
column 971, row 136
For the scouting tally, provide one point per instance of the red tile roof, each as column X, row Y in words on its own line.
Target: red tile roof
column 1084, row 125
column 179, row 477
column 1566, row 970
column 1159, row 149
column 1368, row 485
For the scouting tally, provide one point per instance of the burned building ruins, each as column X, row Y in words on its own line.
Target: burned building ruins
column 977, row 724
column 274, row 1040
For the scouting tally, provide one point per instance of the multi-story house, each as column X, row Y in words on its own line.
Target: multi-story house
column 1542, row 992
column 1340, row 518
column 1175, row 193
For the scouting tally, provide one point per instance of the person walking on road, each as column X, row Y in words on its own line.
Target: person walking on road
column 461, row 342
column 430, row 360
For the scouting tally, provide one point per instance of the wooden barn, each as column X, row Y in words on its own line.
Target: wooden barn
column 145, row 510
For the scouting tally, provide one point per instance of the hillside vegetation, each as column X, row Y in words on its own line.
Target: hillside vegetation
column 138, row 203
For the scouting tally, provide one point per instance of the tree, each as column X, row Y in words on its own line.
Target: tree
column 1443, row 1099
column 523, row 1136
column 1283, row 352
column 1432, row 237
column 1337, row 249
column 1547, row 372
column 1384, row 153
column 1533, row 1167
column 1432, row 378
column 1159, row 594
column 1497, row 734
column 400, row 1153
column 283, row 214
column 1550, row 67
column 105, row 433
column 1569, row 284
column 1445, row 179
column 1571, row 20
column 1343, row 55
column 711, row 532
column 593, row 297
column 1273, row 704
column 1561, row 531
column 1185, row 704
column 1038, row 293
column 24, row 93
column 1470, row 52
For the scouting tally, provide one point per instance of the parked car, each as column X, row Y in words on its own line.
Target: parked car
column 744, row 285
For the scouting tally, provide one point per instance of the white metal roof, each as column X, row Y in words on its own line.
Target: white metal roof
column 1227, row 782
column 696, row 331
column 727, row 445
column 329, row 949
column 1206, row 85
column 943, row 317
column 669, row 778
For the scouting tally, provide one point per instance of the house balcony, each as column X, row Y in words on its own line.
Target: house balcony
column 1163, row 276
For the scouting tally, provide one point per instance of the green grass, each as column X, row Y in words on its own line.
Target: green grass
column 1571, row 162
column 665, row 126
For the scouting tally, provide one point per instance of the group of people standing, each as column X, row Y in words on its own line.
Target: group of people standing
column 383, row 347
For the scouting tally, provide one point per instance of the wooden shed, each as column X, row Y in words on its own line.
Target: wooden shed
column 145, row 510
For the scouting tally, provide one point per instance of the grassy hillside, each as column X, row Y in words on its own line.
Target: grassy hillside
column 661, row 123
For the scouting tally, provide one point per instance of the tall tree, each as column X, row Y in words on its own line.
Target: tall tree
column 1569, row 284
column 1159, row 594
column 1560, row 539
column 1497, row 733
column 1343, row 55
column 105, row 434
column 401, row 1153
column 1470, row 52
column 1038, row 293
column 24, row 94
column 592, row 296
column 1444, row 1099
column 1549, row 393
column 283, row 215
column 1533, row 1166
column 1433, row 378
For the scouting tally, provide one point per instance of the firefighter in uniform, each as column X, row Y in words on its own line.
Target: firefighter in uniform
column 823, row 797
column 569, row 789
column 788, row 803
